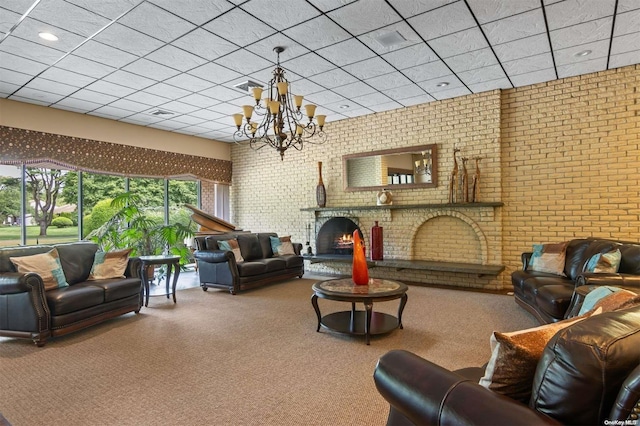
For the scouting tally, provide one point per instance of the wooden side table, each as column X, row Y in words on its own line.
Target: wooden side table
column 173, row 267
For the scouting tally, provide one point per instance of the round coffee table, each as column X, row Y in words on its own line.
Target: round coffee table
column 355, row 322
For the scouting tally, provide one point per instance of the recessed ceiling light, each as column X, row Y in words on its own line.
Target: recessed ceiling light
column 583, row 53
column 390, row 39
column 48, row 36
column 443, row 84
column 344, row 106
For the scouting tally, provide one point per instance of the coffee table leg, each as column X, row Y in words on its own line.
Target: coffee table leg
column 314, row 302
column 167, row 278
column 368, row 306
column 176, row 274
column 403, row 301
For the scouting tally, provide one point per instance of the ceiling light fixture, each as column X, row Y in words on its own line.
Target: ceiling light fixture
column 345, row 106
column 281, row 115
column 48, row 36
column 423, row 166
column 443, row 84
column 583, row 53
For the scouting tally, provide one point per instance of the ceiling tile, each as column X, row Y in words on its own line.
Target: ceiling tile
column 195, row 11
column 515, row 27
column 468, row 61
column 176, row 58
column 431, row 86
column 625, row 43
column 332, row 78
column 533, row 77
column 215, row 73
column 364, row 16
column 572, row 12
column 78, row 104
column 104, row 54
column 627, row 23
column 189, row 82
column 411, row 56
column 452, row 93
column 142, row 119
column 264, row 48
column 151, row 69
column 206, row 114
column 388, row 81
column 308, row 65
column 346, row 52
column 17, row 6
column 517, row 49
column 387, row 106
column 166, row 91
column 30, row 28
column 187, row 119
column 177, row 106
column 624, row 59
column 64, row 76
column 416, row 100
column 483, row 86
column 627, row 5
column 239, row 27
column 111, row 112
column 317, row 33
column 129, row 105
column 528, row 64
column 428, row 71
column 199, row 100
column 460, row 42
column 84, row 66
column 147, row 98
column 110, row 88
column 575, row 35
column 353, row 90
column 109, row 9
column 355, row 112
column 325, row 97
column 479, row 75
column 124, row 38
column 30, row 50
column 19, row 64
column 567, row 56
column 128, row 79
column 37, row 95
column 155, row 22
column 305, row 87
column 487, row 11
column 51, row 86
column 69, row 17
column 204, row 44
column 95, row 97
column 29, row 100
column 369, row 68
column 327, row 5
column 445, row 20
column 404, row 92
column 283, row 16
column 223, row 93
column 14, row 77
column 585, row 67
column 410, row 8
column 371, row 39
column 243, row 61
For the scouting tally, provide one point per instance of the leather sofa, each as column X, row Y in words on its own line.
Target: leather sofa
column 28, row 311
column 220, row 268
column 589, row 374
column 549, row 297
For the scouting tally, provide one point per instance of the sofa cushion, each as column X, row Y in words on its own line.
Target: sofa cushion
column 71, row 299
column 118, row 288
column 514, row 358
column 584, row 365
column 630, row 262
column 575, row 257
column 77, row 259
column 265, row 243
column 110, row 264
column 250, row 246
column 275, row 264
column 293, row 260
column 549, row 258
column 47, row 265
column 248, row 269
column 554, row 299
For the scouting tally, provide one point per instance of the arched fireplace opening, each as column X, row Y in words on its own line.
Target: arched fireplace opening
column 335, row 237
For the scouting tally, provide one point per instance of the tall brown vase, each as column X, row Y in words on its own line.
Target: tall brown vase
column 321, row 192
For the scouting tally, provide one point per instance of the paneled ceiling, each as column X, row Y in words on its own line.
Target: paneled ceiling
column 127, row 60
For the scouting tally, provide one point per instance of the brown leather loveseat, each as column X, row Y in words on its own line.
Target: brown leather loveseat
column 588, row 374
column 28, row 311
column 548, row 296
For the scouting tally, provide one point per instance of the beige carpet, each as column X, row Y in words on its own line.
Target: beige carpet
column 250, row 359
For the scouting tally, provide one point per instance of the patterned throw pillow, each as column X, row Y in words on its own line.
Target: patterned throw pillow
column 604, row 262
column 608, row 298
column 515, row 356
column 111, row 264
column 232, row 245
column 281, row 246
column 549, row 258
column 47, row 265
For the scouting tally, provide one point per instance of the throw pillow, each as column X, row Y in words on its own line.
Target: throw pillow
column 549, row 258
column 515, row 356
column 604, row 262
column 47, row 265
column 110, row 264
column 281, row 246
column 232, row 245
column 620, row 299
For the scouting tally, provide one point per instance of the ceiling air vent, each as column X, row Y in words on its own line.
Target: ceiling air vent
column 161, row 113
column 246, row 86
column 390, row 39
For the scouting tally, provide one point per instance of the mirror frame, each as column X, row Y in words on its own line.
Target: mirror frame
column 393, row 187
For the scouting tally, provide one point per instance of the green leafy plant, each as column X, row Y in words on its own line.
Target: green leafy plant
column 61, row 222
column 133, row 226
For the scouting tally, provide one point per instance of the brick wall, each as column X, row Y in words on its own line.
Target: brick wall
column 563, row 156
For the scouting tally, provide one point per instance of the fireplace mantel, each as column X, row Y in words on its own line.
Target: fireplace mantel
column 491, row 204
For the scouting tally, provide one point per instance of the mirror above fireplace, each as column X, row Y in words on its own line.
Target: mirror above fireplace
column 410, row 167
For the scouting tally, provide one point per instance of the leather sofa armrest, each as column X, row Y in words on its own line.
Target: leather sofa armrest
column 427, row 394
column 133, row 268
column 16, row 282
column 628, row 281
column 214, row 256
column 297, row 248
column 526, row 258
column 628, row 398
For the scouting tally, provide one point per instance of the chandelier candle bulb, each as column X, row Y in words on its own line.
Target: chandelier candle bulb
column 311, row 110
column 283, row 87
column 274, row 107
column 248, row 110
column 321, row 119
column 299, row 129
column 297, row 100
column 254, row 127
column 237, row 118
column 257, row 94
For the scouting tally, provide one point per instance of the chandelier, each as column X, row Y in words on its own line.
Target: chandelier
column 423, row 165
column 281, row 120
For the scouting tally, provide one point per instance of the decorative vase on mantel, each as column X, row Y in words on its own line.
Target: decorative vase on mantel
column 376, row 242
column 321, row 192
column 359, row 270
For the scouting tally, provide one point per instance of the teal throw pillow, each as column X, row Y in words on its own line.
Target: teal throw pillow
column 604, row 262
column 595, row 296
column 233, row 246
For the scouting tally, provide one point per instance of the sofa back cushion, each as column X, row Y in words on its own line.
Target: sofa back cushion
column 250, row 246
column 77, row 260
column 265, row 243
column 576, row 257
column 584, row 365
column 5, row 253
column 630, row 262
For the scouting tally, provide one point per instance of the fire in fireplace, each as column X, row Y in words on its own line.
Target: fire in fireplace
column 335, row 237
